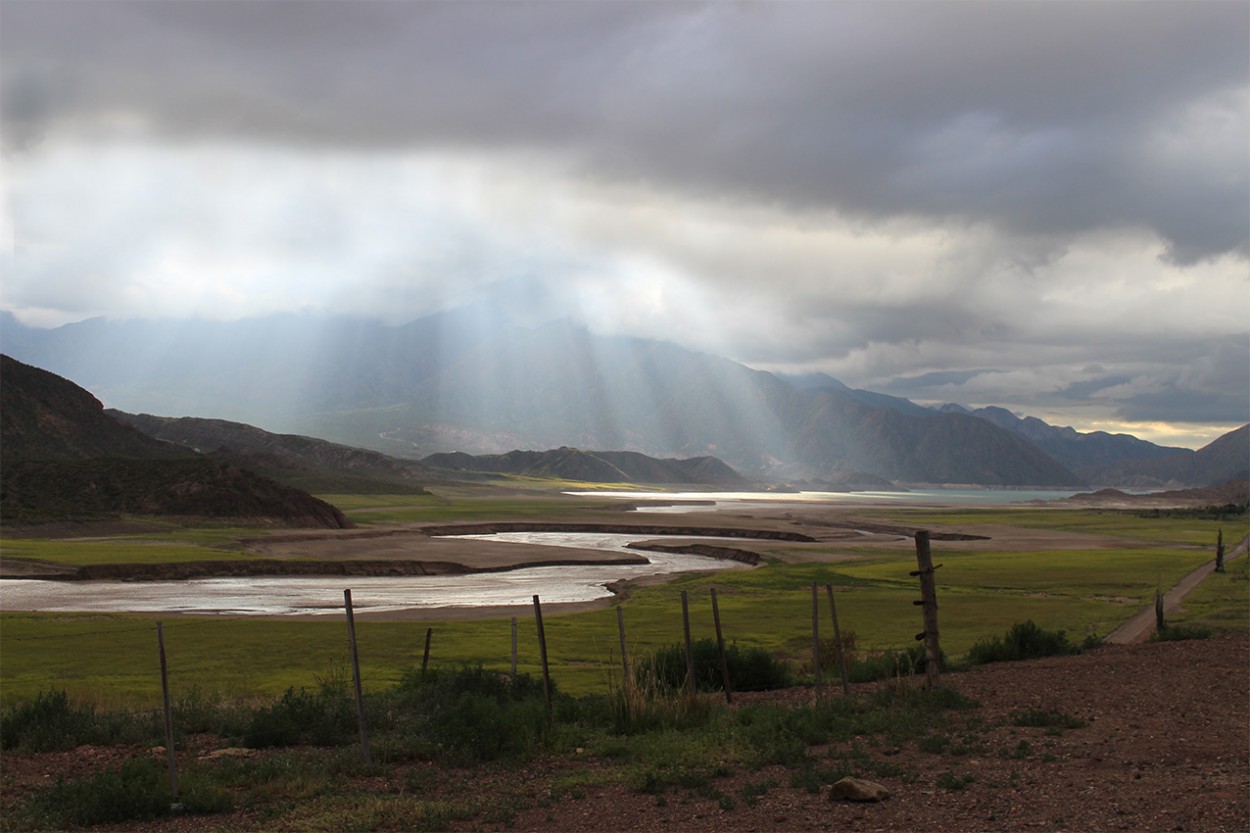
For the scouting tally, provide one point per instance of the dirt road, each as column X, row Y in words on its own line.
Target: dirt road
column 1142, row 625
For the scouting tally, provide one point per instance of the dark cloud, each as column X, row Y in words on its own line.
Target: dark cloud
column 1037, row 117
column 1034, row 205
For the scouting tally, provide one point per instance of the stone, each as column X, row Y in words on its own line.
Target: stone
column 857, row 789
column 229, row 752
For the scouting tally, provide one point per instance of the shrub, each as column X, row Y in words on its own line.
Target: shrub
column 750, row 669
column 1024, row 640
column 476, row 728
column 138, row 790
column 52, row 723
column 44, row 724
column 1174, row 633
column 325, row 718
column 472, row 715
column 442, row 686
column 829, row 650
column 890, row 664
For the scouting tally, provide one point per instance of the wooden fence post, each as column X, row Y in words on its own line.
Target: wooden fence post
column 820, row 688
column 514, row 647
column 425, row 655
column 542, row 652
column 170, row 757
column 685, row 621
column 928, row 593
column 626, row 682
column 1219, row 551
column 360, row 697
column 720, row 647
column 837, row 640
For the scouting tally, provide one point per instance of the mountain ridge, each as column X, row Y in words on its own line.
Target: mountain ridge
column 594, row 467
column 479, row 384
column 1122, row 459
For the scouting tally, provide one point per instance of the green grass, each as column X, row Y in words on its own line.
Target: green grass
column 110, row 659
column 160, row 549
column 454, row 507
column 1131, row 572
column 1114, row 523
column 1222, row 602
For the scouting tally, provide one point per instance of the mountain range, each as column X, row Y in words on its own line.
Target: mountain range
column 470, row 381
column 593, row 467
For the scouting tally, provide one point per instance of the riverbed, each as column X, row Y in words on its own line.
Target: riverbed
column 323, row 595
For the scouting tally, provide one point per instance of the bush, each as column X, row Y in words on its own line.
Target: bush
column 443, row 686
column 829, row 650
column 325, row 718
column 473, row 715
column 888, row 665
column 750, row 669
column 1024, row 640
column 138, row 790
column 45, row 724
column 50, row 723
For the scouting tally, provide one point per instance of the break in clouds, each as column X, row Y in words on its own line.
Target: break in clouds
column 1039, row 206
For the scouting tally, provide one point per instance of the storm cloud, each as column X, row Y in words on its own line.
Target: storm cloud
column 889, row 192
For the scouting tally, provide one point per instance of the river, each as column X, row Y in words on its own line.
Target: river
column 282, row 595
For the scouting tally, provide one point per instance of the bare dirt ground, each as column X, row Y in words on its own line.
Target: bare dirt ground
column 1159, row 740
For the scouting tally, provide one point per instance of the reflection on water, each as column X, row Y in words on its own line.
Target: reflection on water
column 918, row 497
column 282, row 595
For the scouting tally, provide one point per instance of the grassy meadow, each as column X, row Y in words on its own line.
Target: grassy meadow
column 1085, row 590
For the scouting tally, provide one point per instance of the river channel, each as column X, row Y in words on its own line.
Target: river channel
column 284, row 596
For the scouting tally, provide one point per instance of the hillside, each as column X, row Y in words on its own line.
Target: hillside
column 1226, row 458
column 303, row 462
column 63, row 458
column 1090, row 455
column 595, row 467
column 471, row 381
column 45, row 417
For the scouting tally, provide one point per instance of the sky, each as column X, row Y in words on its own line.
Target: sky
column 1039, row 206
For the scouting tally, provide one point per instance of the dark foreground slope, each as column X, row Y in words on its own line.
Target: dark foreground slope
column 63, row 458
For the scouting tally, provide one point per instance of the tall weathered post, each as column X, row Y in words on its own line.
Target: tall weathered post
column 1219, row 551
column 626, row 680
column 171, row 758
column 514, row 647
column 360, row 697
column 837, row 641
column 820, row 686
column 542, row 652
column 685, row 623
column 720, row 649
column 928, row 601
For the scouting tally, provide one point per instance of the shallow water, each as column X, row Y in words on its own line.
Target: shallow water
column 288, row 595
column 918, row 497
